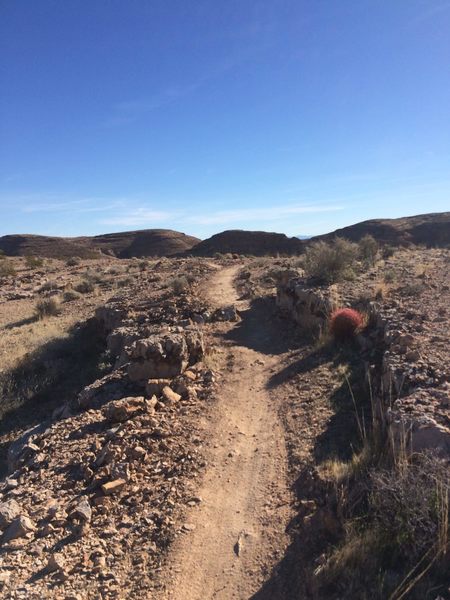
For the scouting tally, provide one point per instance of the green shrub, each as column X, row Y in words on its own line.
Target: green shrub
column 47, row 308
column 330, row 262
column 33, row 262
column 368, row 249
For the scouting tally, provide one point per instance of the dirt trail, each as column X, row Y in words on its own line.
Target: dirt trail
column 237, row 532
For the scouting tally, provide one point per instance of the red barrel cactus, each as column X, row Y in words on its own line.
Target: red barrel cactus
column 345, row 322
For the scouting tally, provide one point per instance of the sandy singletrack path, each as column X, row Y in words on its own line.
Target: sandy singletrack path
column 237, row 532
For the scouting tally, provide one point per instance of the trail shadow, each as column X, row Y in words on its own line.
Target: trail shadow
column 47, row 377
column 293, row 577
column 21, row 323
column 261, row 328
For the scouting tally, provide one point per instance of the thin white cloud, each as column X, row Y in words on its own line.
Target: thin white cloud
column 273, row 213
column 140, row 217
column 143, row 216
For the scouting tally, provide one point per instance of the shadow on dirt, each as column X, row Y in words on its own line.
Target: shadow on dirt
column 263, row 329
column 46, row 378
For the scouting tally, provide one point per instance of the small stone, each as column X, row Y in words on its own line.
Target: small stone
column 412, row 355
column 82, row 511
column 124, row 409
column 20, row 527
column 188, row 527
column 9, row 510
column 112, row 487
column 170, row 396
column 55, row 563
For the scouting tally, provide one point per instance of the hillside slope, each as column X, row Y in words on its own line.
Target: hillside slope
column 256, row 243
column 148, row 242
column 432, row 229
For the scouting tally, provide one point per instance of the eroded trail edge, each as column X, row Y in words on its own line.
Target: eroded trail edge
column 237, row 532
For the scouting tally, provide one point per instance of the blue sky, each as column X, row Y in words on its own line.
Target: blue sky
column 296, row 116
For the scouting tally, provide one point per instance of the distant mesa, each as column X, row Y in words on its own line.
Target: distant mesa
column 147, row 242
column 255, row 243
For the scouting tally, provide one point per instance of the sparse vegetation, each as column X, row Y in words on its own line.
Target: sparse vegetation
column 33, row 262
column 84, row 287
column 48, row 307
column 368, row 249
column 7, row 269
column 70, row 295
column 330, row 262
column 179, row 284
column 74, row 261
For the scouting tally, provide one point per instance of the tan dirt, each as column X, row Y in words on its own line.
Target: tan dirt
column 236, row 534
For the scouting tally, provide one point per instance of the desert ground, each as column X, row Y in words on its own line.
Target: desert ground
column 189, row 428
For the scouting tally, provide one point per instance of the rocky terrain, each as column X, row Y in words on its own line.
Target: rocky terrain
column 216, row 442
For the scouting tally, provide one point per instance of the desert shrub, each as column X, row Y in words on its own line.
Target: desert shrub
column 143, row 265
column 48, row 286
column 330, row 262
column 70, row 295
column 388, row 251
column 2, row 254
column 73, row 261
column 7, row 269
column 47, row 307
column 33, row 262
column 179, row 284
column 407, row 506
column 345, row 322
column 368, row 249
column 125, row 282
column 389, row 276
column 84, row 287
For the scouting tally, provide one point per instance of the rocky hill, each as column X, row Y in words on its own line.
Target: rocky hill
column 256, row 243
column 432, row 230
column 147, row 242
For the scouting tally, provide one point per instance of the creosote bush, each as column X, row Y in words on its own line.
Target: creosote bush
column 48, row 307
column 330, row 262
column 345, row 322
column 368, row 249
column 73, row 261
column 70, row 296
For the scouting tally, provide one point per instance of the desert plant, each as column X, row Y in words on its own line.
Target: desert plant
column 84, row 287
column 368, row 249
column 73, row 261
column 387, row 251
column 33, row 262
column 179, row 284
column 7, row 269
column 330, row 262
column 70, row 295
column 47, row 308
column 345, row 322
column 125, row 282
column 389, row 276
column 48, row 286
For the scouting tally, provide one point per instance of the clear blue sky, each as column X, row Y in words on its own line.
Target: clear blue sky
column 297, row 116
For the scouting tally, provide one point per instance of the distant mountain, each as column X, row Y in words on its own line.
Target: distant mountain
column 303, row 237
column 432, row 229
column 256, row 243
column 147, row 242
